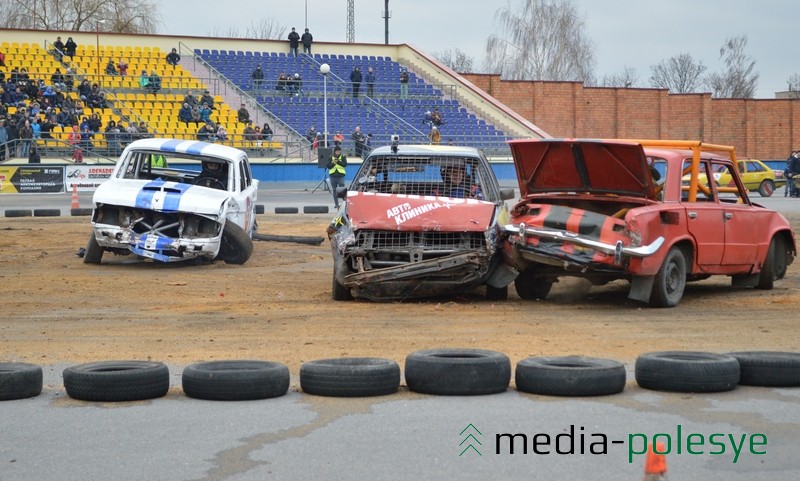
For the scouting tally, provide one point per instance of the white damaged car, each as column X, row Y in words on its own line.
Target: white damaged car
column 174, row 200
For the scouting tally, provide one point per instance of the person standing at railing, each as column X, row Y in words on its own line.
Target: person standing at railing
column 258, row 78
column 26, row 137
column 355, row 79
column 307, row 38
column 294, row 42
column 70, row 48
column 370, row 79
column 404, row 79
column 58, row 49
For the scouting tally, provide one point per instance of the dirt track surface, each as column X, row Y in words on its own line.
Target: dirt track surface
column 277, row 307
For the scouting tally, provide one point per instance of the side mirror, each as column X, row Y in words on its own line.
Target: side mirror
column 507, row 194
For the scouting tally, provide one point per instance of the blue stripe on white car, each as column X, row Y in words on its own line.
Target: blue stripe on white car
column 160, row 196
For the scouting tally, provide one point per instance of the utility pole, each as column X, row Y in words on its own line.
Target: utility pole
column 351, row 21
column 386, row 16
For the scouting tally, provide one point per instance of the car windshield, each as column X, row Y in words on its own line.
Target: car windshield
column 420, row 175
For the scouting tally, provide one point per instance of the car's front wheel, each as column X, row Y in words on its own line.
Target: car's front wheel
column 531, row 287
column 94, row 253
column 767, row 188
column 670, row 280
column 340, row 292
column 237, row 246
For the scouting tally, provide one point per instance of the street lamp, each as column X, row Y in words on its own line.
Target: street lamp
column 325, row 69
column 97, row 38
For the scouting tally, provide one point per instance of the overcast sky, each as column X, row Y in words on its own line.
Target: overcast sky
column 625, row 33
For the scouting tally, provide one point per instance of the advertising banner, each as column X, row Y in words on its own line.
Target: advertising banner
column 24, row 179
column 86, row 177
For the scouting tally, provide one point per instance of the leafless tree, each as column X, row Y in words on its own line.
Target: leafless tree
column 739, row 79
column 263, row 28
column 680, row 74
column 456, row 60
column 124, row 16
column 627, row 78
column 542, row 40
column 794, row 85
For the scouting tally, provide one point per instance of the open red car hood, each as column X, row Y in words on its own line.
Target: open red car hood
column 368, row 210
column 594, row 166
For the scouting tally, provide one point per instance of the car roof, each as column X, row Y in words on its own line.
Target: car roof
column 186, row 147
column 421, row 149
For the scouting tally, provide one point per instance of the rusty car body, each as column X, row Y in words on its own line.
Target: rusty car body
column 402, row 234
column 638, row 210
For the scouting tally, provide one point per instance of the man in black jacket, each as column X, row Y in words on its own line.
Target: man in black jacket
column 355, row 78
column 294, row 41
column 307, row 38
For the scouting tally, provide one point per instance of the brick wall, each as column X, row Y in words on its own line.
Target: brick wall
column 759, row 128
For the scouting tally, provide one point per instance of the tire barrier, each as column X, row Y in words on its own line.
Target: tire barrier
column 350, row 377
column 687, row 371
column 769, row 368
column 570, row 376
column 80, row 211
column 235, row 380
column 259, row 208
column 315, row 209
column 19, row 380
column 116, row 381
column 19, row 213
column 457, row 372
column 286, row 210
column 46, row 212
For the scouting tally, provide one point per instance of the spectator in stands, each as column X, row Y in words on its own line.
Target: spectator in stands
column 48, row 125
column 294, row 40
column 95, row 100
column 129, row 134
column 207, row 133
column 57, row 79
column 404, row 78
column 281, row 85
column 311, row 134
column 222, row 134
column 3, row 139
column 2, row 59
column 63, row 118
column 144, row 80
column 370, row 79
column 266, row 132
column 435, row 136
column 185, row 113
column 33, row 156
column 36, row 128
column 154, row 82
column 111, row 69
column 86, row 139
column 307, row 38
column 196, row 118
column 13, row 136
column 70, row 48
column 258, row 78
column 26, row 138
column 123, row 67
column 69, row 79
column 249, row 132
column 207, row 99
column 190, row 99
column 355, row 79
column 205, row 113
column 427, row 118
column 58, row 49
column 338, row 138
column 295, row 85
column 358, row 141
column 74, row 140
column 143, row 132
column 243, row 115
column 436, row 118
column 95, row 124
column 113, row 138
column 84, row 90
column 173, row 58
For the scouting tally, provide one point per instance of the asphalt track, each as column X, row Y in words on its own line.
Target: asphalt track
column 400, row 436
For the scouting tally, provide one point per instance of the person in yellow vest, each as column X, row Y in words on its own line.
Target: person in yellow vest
column 336, row 170
column 158, row 160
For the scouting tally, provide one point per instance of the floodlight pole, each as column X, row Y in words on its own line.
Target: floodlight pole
column 325, row 69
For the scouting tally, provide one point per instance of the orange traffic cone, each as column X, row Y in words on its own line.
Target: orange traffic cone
column 75, row 201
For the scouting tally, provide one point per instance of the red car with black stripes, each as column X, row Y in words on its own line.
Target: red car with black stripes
column 639, row 210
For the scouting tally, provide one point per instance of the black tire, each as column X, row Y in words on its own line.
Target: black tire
column 775, row 264
column 457, row 372
column 19, row 213
column 309, row 240
column 19, row 380
column 259, row 208
column 769, row 368
column 340, row 292
column 94, row 252
column 286, row 210
column 78, row 211
column 46, row 212
column 315, row 209
column 496, row 293
column 114, row 381
column 531, row 287
column 687, row 371
column 350, row 377
column 670, row 280
column 570, row 376
column 235, row 380
column 767, row 188
column 237, row 246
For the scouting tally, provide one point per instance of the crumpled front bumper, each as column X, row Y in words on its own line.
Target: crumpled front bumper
column 156, row 247
column 618, row 250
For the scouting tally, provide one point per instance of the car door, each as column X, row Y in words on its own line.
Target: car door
column 705, row 218
column 742, row 225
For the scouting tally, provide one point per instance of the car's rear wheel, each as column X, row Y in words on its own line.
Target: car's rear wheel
column 767, row 188
column 94, row 253
column 774, row 265
column 237, row 246
column 670, row 280
column 531, row 287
